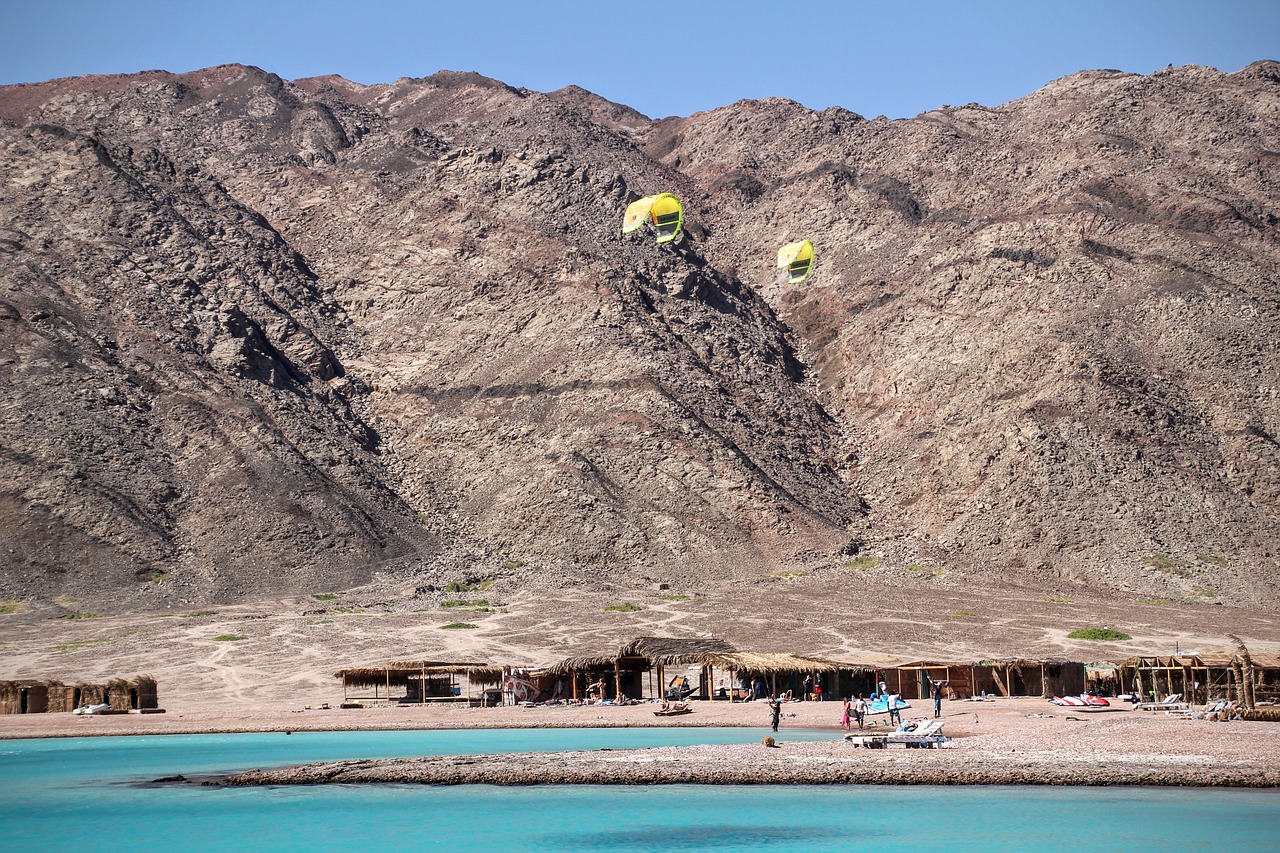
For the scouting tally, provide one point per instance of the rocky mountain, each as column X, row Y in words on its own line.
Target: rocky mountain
column 262, row 337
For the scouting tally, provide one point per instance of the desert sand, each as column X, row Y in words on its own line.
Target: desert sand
column 283, row 653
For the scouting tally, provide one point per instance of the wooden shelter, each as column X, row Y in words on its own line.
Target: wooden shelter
column 416, row 681
column 1102, row 679
column 851, row 680
column 915, row 680
column 780, row 672
column 1203, row 678
column 624, row 671
column 1026, row 677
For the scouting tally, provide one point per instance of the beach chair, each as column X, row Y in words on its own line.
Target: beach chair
column 1172, row 702
column 927, row 735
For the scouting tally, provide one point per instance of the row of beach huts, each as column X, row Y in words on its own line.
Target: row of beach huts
column 116, row 696
column 712, row 669
column 708, row 668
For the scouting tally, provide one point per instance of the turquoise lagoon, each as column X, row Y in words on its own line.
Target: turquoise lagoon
column 84, row 793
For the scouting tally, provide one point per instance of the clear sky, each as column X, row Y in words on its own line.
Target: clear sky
column 896, row 57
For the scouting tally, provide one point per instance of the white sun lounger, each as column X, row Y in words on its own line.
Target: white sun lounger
column 1173, row 702
column 927, row 735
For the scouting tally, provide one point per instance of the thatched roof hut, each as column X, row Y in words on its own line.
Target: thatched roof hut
column 1202, row 678
column 416, row 680
column 772, row 663
column 121, row 695
column 644, row 654
column 1028, row 677
column 669, row 651
column 24, row 696
column 915, row 680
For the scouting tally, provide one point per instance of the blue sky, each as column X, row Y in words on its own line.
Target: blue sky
column 662, row 58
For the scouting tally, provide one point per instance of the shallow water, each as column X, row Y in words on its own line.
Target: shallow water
column 81, row 793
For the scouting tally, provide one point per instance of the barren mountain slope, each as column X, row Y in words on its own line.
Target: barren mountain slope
column 450, row 327
column 1051, row 325
column 269, row 336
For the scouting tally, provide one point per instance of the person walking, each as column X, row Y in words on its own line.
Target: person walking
column 860, row 709
column 844, row 714
column 775, row 712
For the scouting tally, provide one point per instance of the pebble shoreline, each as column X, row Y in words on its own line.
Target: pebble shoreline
column 998, row 742
column 815, row 763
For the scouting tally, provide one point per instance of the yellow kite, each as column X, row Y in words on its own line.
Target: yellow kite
column 662, row 211
column 797, row 258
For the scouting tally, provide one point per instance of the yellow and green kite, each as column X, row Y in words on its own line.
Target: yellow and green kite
column 663, row 212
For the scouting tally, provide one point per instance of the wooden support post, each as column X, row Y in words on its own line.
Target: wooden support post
column 617, row 678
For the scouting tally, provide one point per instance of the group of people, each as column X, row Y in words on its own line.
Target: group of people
column 857, row 709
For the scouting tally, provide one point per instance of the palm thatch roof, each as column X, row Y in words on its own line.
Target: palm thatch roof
column 404, row 672
column 643, row 653
column 667, row 651
column 772, row 662
column 1018, row 662
column 1218, row 659
column 646, row 652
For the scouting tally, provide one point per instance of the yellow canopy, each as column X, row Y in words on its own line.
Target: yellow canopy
column 663, row 211
column 637, row 213
column 797, row 258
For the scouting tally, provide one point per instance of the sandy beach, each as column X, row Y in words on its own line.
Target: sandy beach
column 1002, row 741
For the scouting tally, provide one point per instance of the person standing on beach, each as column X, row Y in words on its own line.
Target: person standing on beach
column 844, row 715
column 775, row 711
column 860, row 709
column 891, row 702
column 937, row 700
column 808, row 688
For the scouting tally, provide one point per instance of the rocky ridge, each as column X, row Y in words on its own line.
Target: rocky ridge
column 260, row 336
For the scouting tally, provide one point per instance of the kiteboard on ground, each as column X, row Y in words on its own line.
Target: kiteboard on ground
column 797, row 260
column 662, row 212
